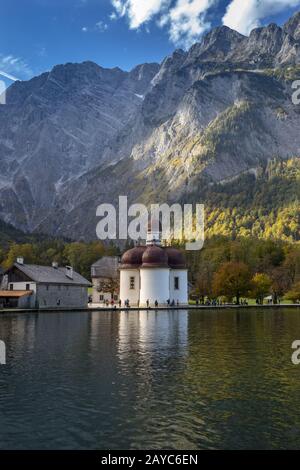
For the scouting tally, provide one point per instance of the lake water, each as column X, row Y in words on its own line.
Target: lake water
column 150, row 380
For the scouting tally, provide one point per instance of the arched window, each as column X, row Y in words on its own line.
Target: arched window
column 132, row 283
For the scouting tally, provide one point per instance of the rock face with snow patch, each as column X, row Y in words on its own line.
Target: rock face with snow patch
column 81, row 135
column 58, row 126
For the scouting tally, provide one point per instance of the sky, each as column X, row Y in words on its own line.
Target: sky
column 35, row 35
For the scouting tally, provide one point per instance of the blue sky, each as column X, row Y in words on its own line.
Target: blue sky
column 35, row 35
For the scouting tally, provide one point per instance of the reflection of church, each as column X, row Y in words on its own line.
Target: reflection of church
column 153, row 273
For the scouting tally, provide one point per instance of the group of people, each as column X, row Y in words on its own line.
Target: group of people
column 170, row 303
column 269, row 301
column 156, row 304
column 217, row 302
column 111, row 303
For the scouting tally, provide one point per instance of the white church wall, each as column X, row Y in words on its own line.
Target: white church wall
column 154, row 286
column 126, row 290
column 180, row 294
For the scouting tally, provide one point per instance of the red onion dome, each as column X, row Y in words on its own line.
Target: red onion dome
column 155, row 257
column 133, row 258
column 176, row 258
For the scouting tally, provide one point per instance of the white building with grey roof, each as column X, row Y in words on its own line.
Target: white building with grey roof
column 105, row 279
column 33, row 286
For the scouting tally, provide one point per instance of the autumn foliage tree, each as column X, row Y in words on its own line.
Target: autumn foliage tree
column 80, row 255
column 109, row 285
column 25, row 250
column 261, row 286
column 204, row 281
column 294, row 293
column 233, row 279
column 280, row 282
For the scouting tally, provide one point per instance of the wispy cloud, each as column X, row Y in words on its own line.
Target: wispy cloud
column 113, row 16
column 243, row 16
column 14, row 66
column 185, row 19
column 42, row 51
column 99, row 27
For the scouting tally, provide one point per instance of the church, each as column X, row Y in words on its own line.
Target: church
column 153, row 273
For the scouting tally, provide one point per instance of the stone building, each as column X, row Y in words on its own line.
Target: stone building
column 105, row 280
column 32, row 286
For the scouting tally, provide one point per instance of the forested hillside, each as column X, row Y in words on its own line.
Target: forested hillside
column 263, row 204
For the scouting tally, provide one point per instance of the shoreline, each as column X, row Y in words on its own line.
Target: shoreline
column 145, row 309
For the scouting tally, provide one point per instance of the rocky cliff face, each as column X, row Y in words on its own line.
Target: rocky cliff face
column 81, row 135
column 58, row 126
column 292, row 27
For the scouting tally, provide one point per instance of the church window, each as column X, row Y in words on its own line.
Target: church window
column 132, row 283
column 176, row 283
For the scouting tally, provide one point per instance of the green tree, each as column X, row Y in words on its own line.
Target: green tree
column 294, row 293
column 2, row 255
column 233, row 279
column 292, row 263
column 82, row 255
column 27, row 251
column 261, row 286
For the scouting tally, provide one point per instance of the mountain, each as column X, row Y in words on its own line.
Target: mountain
column 292, row 27
column 208, row 118
column 9, row 234
column 56, row 127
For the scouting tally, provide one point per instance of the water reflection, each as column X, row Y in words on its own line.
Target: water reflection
column 165, row 330
column 156, row 379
